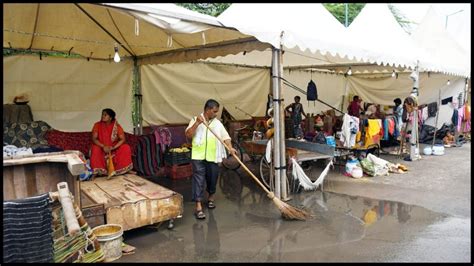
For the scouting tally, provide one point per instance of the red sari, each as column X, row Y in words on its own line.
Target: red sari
column 109, row 135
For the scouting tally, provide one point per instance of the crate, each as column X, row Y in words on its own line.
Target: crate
column 176, row 172
column 177, row 158
column 94, row 215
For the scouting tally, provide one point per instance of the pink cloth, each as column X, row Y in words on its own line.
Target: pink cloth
column 391, row 126
column 460, row 117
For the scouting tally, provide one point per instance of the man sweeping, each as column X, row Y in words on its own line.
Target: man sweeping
column 206, row 153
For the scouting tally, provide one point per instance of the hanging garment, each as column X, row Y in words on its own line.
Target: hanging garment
column 304, row 181
column 374, row 127
column 432, row 109
column 446, row 100
column 467, row 112
column 385, row 129
column 312, row 92
column 460, row 118
column 391, row 126
column 454, row 118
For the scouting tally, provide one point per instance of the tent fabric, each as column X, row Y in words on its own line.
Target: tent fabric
column 69, row 93
column 174, row 93
column 74, row 28
column 432, row 36
column 267, row 22
column 330, row 90
column 376, row 28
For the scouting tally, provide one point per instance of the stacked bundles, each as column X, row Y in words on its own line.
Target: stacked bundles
column 27, row 231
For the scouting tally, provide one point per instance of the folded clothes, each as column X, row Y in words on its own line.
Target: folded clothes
column 11, row 151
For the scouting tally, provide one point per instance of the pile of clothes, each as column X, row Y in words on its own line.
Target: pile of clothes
column 12, row 151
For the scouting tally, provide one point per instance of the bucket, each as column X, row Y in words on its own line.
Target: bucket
column 427, row 151
column 110, row 240
column 438, row 149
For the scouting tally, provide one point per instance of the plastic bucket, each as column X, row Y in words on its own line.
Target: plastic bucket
column 438, row 149
column 110, row 240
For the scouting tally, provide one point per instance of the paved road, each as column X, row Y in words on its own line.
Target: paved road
column 439, row 183
column 420, row 216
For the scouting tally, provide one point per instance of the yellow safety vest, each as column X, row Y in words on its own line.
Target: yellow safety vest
column 207, row 149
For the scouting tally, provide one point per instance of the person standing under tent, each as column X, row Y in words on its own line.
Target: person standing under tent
column 398, row 113
column 354, row 107
column 207, row 151
column 296, row 116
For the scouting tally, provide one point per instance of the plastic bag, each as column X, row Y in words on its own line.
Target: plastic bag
column 368, row 166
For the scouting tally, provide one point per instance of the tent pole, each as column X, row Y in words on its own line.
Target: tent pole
column 136, row 84
column 283, row 177
column 277, row 121
column 414, row 150
column 436, row 123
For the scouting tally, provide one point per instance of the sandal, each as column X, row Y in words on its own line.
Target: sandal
column 200, row 215
column 210, row 204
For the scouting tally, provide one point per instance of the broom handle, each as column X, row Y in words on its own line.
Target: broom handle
column 237, row 158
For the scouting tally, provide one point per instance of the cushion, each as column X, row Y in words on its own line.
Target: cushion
column 30, row 135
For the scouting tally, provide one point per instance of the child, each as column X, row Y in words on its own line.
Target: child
column 448, row 140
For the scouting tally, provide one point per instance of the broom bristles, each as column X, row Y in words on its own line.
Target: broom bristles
column 289, row 212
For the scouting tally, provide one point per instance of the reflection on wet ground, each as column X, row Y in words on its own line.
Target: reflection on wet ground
column 247, row 227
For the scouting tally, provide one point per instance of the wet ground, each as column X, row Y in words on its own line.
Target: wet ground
column 247, row 227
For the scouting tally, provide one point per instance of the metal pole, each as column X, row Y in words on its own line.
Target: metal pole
column 414, row 150
column 436, row 122
column 283, row 177
column 347, row 12
column 138, row 97
column 277, row 122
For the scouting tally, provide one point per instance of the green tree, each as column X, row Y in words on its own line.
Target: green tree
column 339, row 12
column 212, row 9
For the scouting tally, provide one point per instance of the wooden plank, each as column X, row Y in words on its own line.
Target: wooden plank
column 133, row 201
column 8, row 184
column 75, row 165
column 145, row 212
column 21, row 181
column 308, row 156
column 311, row 146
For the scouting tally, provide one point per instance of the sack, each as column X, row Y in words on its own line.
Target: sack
column 312, row 91
column 368, row 166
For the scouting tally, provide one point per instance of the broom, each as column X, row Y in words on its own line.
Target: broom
column 110, row 166
column 287, row 211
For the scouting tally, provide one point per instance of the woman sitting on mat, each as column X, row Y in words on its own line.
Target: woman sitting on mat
column 108, row 138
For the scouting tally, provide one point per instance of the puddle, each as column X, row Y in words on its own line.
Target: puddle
column 247, row 227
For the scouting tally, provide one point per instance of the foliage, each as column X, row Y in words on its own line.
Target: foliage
column 339, row 11
column 212, row 9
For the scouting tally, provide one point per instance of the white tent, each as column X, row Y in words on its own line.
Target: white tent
column 62, row 91
column 153, row 33
column 376, row 28
column 432, row 36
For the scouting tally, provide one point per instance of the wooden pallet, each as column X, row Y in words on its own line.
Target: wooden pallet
column 132, row 201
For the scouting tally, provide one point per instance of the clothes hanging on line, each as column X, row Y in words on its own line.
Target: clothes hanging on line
column 446, row 100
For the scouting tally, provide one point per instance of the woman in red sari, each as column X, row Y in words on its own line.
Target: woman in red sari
column 108, row 136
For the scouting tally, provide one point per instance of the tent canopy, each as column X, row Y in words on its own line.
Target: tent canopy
column 432, row 36
column 375, row 42
column 152, row 33
column 376, row 28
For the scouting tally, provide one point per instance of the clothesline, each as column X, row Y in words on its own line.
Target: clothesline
column 291, row 85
